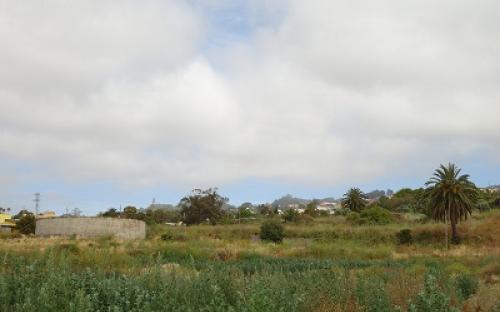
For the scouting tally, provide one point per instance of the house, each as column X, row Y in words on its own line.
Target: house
column 6, row 223
column 329, row 207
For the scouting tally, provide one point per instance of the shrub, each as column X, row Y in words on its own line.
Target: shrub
column 26, row 224
column 431, row 298
column 404, row 237
column 467, row 285
column 376, row 215
column 166, row 236
column 372, row 215
column 272, row 230
column 426, row 235
column 353, row 217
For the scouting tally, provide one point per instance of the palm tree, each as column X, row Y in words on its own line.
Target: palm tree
column 354, row 199
column 451, row 196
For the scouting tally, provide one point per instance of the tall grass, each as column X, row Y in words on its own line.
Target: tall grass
column 327, row 266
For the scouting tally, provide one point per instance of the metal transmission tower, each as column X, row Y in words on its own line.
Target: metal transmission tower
column 37, row 203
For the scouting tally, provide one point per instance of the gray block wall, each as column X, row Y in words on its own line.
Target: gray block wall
column 91, row 227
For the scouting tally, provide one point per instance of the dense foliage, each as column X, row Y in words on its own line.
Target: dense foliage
column 50, row 285
column 150, row 215
column 202, row 206
column 354, row 200
column 26, row 222
column 452, row 196
column 272, row 230
column 372, row 215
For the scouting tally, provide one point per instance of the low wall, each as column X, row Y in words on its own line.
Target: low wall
column 91, row 227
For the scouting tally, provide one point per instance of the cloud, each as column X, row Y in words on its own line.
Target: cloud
column 324, row 93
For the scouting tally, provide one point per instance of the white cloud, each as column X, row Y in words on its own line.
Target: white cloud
column 333, row 92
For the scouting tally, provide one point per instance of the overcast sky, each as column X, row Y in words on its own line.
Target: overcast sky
column 105, row 103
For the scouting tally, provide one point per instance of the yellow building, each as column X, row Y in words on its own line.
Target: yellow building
column 6, row 223
column 46, row 215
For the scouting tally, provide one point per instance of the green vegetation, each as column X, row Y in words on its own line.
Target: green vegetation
column 272, row 230
column 202, row 206
column 329, row 265
column 452, row 197
column 354, row 200
column 385, row 255
column 26, row 222
column 404, row 236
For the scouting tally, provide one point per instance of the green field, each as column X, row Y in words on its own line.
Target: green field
column 326, row 264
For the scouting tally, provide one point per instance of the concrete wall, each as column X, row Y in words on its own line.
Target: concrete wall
column 91, row 227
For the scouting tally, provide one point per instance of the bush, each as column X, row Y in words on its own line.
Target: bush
column 467, row 285
column 353, row 217
column 431, row 299
column 404, row 237
column 372, row 215
column 272, row 230
column 166, row 236
column 26, row 224
column 428, row 235
column 376, row 215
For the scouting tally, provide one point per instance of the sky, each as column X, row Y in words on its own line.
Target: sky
column 107, row 103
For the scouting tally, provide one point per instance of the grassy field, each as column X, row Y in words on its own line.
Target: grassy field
column 324, row 265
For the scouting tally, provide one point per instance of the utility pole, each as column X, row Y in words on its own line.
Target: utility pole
column 37, row 203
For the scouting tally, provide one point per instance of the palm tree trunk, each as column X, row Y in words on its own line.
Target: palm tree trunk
column 454, row 235
column 446, row 229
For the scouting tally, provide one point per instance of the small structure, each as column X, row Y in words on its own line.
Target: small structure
column 46, row 215
column 91, row 227
column 329, row 207
column 6, row 223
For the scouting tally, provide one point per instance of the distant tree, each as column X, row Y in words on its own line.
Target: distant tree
column 265, row 210
column 291, row 215
column 246, row 205
column 111, row 213
column 404, row 192
column 312, row 209
column 451, row 196
column 375, row 194
column 245, row 212
column 158, row 216
column 76, row 212
column 405, row 200
column 131, row 212
column 26, row 222
column 22, row 213
column 4, row 210
column 202, row 206
column 354, row 200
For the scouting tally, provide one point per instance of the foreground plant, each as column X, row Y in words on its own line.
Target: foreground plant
column 431, row 299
